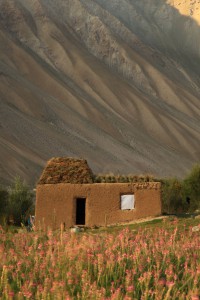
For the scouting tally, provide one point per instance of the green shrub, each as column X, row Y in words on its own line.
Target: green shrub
column 191, row 188
column 172, row 196
column 3, row 205
column 20, row 201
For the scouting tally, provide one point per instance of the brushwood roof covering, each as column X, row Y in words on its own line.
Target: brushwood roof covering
column 66, row 170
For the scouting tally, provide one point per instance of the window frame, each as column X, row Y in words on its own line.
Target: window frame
column 121, row 200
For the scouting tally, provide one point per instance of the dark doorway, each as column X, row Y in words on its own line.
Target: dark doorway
column 80, row 211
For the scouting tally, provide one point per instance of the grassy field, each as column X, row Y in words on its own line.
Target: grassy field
column 159, row 259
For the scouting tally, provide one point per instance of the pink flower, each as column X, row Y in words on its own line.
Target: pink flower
column 162, row 281
column 130, row 288
column 70, row 281
column 27, row 294
column 195, row 297
column 170, row 284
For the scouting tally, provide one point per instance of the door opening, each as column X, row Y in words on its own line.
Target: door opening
column 80, row 211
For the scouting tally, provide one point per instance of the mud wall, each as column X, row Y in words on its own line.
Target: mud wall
column 56, row 203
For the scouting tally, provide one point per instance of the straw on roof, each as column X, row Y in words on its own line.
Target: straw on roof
column 66, row 170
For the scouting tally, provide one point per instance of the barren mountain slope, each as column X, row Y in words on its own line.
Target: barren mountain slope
column 116, row 82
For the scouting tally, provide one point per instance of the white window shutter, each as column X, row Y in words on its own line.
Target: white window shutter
column 127, row 202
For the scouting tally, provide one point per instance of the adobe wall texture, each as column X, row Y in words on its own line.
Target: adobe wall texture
column 56, row 203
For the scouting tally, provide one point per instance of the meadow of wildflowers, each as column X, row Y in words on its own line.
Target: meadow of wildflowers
column 149, row 263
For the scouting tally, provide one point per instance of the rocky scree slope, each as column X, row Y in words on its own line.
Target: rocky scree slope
column 115, row 82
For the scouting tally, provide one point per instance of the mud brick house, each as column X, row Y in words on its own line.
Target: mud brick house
column 66, row 194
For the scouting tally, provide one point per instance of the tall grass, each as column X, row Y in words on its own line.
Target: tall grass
column 147, row 264
column 111, row 178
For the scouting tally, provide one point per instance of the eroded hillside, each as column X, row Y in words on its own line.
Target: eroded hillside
column 115, row 82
